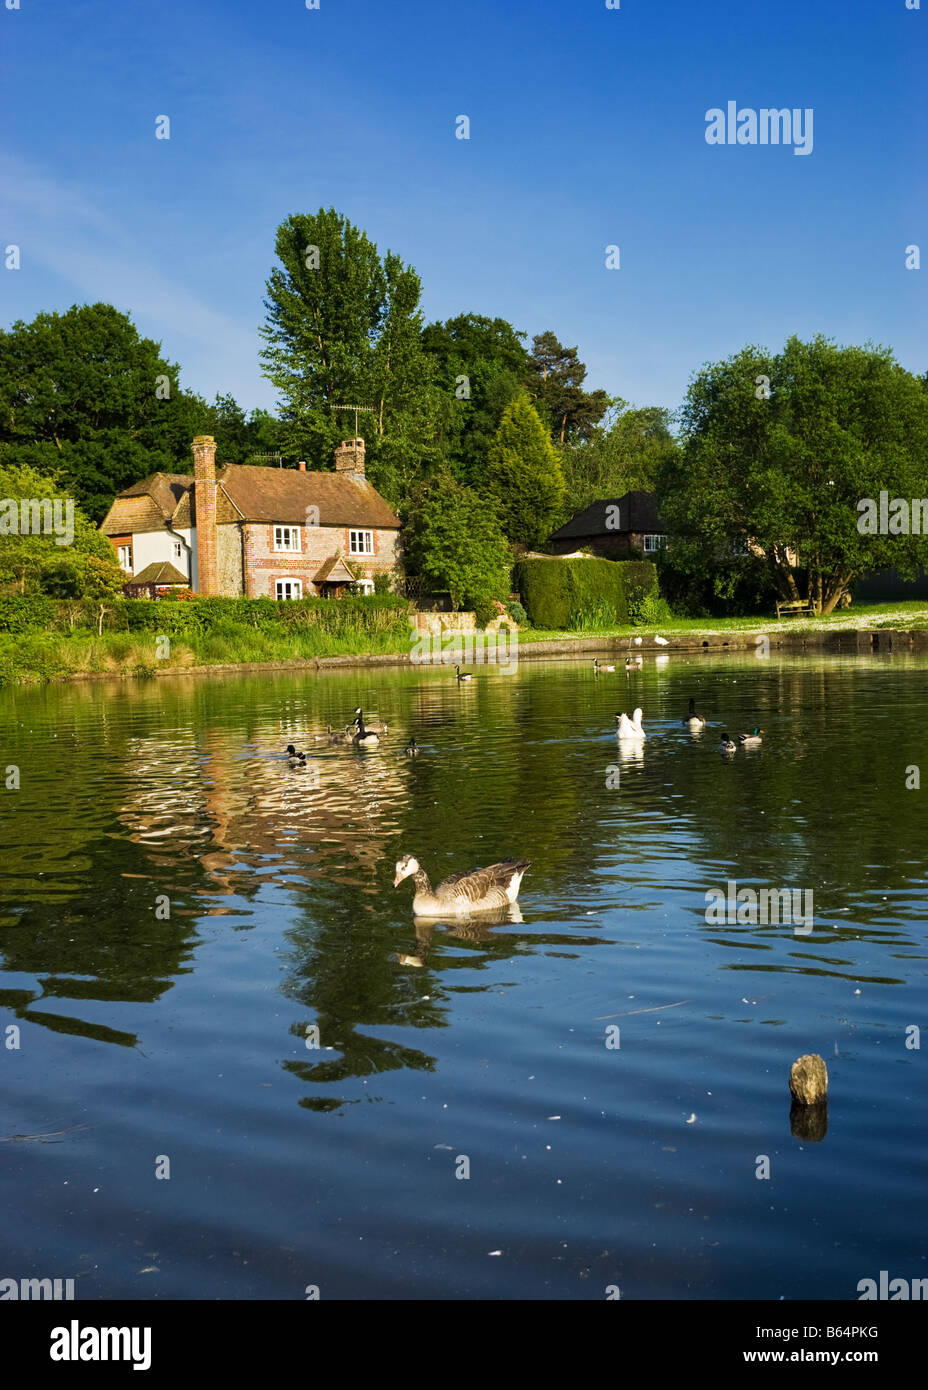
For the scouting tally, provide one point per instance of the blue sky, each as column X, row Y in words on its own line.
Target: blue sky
column 587, row 129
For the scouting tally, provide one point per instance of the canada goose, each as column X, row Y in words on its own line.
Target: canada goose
column 466, row 676
column 412, row 749
column 364, row 738
column 728, row 745
column 634, row 663
column 479, row 890
column 694, row 720
column 376, row 726
column 296, row 759
column 597, row 667
column 630, row 728
column 751, row 740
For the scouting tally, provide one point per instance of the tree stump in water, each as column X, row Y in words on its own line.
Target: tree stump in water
column 808, row 1079
column 808, row 1115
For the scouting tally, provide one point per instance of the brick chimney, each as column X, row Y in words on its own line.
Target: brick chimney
column 349, row 457
column 302, row 465
column 204, row 486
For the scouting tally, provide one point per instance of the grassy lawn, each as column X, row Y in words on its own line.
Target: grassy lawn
column 906, row 614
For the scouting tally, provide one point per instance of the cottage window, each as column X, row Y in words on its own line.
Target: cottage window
column 653, row 542
column 361, row 542
column 125, row 557
column 288, row 588
column 286, row 537
column 177, row 550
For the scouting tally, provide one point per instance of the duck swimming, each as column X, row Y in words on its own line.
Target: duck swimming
column 753, row 740
column 412, row 749
column 296, row 759
column 478, row 890
column 728, row 745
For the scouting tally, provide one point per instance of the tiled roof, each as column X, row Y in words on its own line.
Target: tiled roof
column 251, row 493
column 637, row 511
column 334, row 571
column 160, row 572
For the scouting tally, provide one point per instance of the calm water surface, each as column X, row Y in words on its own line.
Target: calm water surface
column 145, row 1036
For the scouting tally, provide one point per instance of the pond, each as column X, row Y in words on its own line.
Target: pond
column 236, row 1066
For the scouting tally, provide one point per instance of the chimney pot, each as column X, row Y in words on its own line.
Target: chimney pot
column 302, row 465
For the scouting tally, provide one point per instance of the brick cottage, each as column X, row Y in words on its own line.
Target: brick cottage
column 256, row 532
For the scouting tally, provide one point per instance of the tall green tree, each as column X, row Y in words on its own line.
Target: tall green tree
column 87, row 401
column 481, row 364
column 523, row 475
column 344, row 328
column 779, row 450
column 555, row 384
column 32, row 563
column 625, row 453
column 453, row 540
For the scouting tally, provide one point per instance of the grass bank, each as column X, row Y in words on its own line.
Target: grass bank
column 907, row 616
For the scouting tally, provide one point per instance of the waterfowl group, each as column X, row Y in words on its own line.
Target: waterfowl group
column 631, row 730
column 478, row 890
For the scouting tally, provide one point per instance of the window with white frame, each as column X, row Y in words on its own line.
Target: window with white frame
column 361, row 542
column 178, row 550
column 653, row 542
column 286, row 538
column 125, row 557
column 288, row 588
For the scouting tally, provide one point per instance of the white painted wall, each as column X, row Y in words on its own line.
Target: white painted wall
column 155, row 547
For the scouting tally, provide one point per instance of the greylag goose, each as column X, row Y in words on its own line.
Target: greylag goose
column 694, row 720
column 478, row 890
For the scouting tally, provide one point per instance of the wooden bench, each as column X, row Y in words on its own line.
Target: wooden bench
column 801, row 606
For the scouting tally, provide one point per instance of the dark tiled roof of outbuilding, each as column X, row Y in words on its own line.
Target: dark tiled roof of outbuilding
column 637, row 512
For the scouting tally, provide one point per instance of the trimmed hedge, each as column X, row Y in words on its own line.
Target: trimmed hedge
column 378, row 613
column 577, row 594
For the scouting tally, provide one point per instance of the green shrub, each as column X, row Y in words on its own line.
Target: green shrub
column 649, row 611
column 517, row 613
column 583, row 594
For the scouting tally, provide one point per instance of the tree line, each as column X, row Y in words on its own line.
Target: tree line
column 483, row 441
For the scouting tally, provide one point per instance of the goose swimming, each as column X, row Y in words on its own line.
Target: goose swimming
column 694, row 720
column 478, row 890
